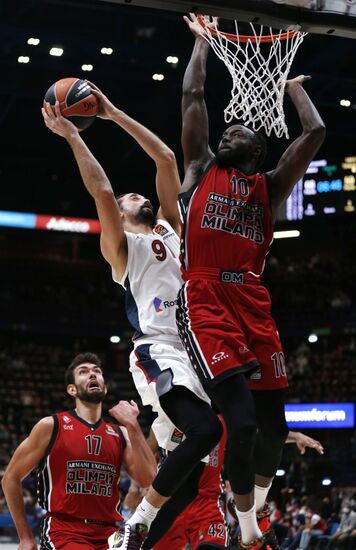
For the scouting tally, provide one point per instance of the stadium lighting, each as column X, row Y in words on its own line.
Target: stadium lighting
column 345, row 103
column 158, row 76
column 280, row 472
column 326, row 481
column 312, row 338
column 55, row 51
column 23, row 59
column 33, row 41
column 286, row 234
column 172, row 59
column 115, row 339
column 87, row 67
column 106, row 51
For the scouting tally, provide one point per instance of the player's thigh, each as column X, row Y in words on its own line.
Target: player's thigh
column 215, row 341
column 175, row 538
column 212, row 534
column 270, row 412
column 149, row 362
column 76, row 535
column 206, row 524
column 265, row 343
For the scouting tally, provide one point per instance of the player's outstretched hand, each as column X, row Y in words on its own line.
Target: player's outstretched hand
column 194, row 25
column 297, row 80
column 304, row 442
column 125, row 412
column 105, row 108
column 56, row 122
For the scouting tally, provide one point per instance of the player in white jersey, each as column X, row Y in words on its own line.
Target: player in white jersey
column 143, row 252
column 152, row 280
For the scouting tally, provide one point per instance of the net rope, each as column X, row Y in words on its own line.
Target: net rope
column 259, row 71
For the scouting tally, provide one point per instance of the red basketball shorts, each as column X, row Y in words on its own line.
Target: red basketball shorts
column 227, row 328
column 201, row 523
column 74, row 535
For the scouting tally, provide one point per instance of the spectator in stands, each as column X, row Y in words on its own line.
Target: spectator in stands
column 277, row 521
column 326, row 508
column 347, row 526
column 315, row 525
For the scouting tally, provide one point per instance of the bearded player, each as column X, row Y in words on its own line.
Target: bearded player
column 143, row 251
column 79, row 456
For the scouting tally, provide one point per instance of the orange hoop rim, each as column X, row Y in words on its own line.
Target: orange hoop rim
column 245, row 37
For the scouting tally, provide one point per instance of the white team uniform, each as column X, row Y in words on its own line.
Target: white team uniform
column 152, row 280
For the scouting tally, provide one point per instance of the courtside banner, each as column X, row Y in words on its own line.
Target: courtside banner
column 25, row 220
column 320, row 415
column 17, row 219
column 62, row 223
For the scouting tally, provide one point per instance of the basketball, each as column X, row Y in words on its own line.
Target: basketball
column 76, row 101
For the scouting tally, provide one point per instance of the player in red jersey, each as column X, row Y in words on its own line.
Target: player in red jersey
column 79, row 456
column 196, row 510
column 195, row 513
column 227, row 210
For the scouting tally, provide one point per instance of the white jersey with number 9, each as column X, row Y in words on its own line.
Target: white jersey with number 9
column 152, row 280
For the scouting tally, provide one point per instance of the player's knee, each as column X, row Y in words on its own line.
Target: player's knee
column 209, row 432
column 274, row 431
column 271, row 444
column 243, row 439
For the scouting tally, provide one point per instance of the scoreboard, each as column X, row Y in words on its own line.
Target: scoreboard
column 328, row 188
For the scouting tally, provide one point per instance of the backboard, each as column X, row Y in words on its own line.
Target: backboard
column 333, row 17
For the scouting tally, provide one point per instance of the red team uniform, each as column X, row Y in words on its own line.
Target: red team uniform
column 203, row 521
column 223, row 314
column 78, row 483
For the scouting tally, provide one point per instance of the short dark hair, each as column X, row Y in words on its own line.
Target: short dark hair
column 79, row 359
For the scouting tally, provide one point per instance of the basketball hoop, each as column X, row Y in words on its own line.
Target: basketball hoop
column 259, row 65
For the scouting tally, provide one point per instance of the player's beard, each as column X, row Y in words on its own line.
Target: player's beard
column 146, row 216
column 97, row 396
column 233, row 158
column 224, row 159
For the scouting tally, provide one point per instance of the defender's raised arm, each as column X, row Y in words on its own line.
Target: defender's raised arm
column 296, row 159
column 195, row 130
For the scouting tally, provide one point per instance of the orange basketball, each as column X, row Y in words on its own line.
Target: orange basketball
column 76, row 101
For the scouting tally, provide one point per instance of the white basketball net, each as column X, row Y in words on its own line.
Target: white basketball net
column 259, row 71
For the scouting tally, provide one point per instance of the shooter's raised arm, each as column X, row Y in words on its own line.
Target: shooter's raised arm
column 113, row 240
column 167, row 178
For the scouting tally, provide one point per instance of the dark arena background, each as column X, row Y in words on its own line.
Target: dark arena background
column 57, row 297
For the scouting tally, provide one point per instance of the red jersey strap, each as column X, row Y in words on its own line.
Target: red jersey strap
column 222, row 275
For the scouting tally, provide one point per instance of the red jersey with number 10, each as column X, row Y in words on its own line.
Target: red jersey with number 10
column 227, row 222
column 80, row 473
